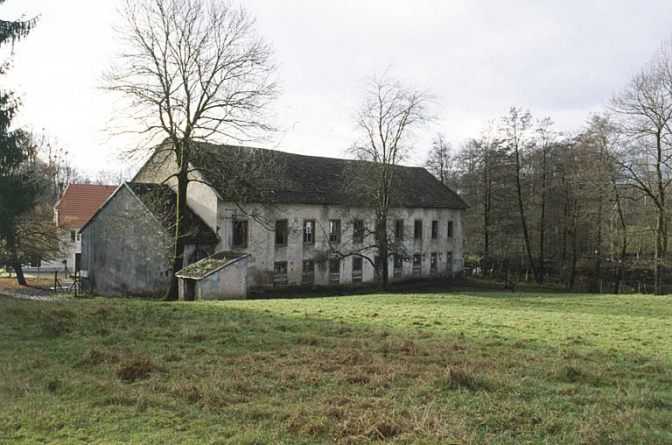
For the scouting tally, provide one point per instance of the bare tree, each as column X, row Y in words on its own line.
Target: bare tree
column 439, row 158
column 387, row 117
column 644, row 109
column 192, row 71
column 545, row 138
column 515, row 131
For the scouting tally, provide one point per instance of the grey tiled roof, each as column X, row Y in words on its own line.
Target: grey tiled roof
column 161, row 200
column 246, row 174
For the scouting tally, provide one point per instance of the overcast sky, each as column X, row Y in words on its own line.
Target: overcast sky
column 561, row 59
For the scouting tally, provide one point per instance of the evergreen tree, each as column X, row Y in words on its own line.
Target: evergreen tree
column 18, row 194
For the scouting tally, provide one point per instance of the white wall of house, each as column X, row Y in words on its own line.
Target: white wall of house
column 265, row 253
column 67, row 248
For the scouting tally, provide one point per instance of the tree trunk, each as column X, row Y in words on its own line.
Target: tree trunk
column 598, row 250
column 383, row 251
column 181, row 208
column 15, row 262
column 542, row 218
column 523, row 220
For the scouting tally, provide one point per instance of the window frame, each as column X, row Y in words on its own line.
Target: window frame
column 417, row 264
column 451, row 229
column 309, row 236
column 246, row 230
column 435, row 229
column 357, row 272
column 399, row 230
column 397, row 266
column 281, row 231
column 308, row 272
column 358, row 231
column 417, row 229
column 279, row 276
column 334, row 277
column 335, row 231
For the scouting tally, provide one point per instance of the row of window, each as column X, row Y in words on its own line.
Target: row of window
column 240, row 231
column 308, row 269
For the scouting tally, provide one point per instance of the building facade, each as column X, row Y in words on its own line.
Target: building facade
column 296, row 219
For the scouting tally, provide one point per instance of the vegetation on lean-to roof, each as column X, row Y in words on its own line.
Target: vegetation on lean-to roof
column 206, row 266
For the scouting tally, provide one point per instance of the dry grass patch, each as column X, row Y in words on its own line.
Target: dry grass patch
column 136, row 367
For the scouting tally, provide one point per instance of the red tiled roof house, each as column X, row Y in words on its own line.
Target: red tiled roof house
column 71, row 212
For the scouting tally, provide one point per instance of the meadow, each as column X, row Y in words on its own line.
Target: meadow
column 434, row 368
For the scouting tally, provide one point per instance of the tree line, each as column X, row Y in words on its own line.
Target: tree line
column 588, row 210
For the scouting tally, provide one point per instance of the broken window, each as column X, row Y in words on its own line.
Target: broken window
column 334, row 271
column 450, row 229
column 239, row 233
column 399, row 229
column 358, row 231
column 398, row 263
column 280, row 274
column 433, row 262
column 309, row 231
column 308, row 272
column 417, row 229
column 357, row 269
column 417, row 264
column 435, row 229
column 281, row 232
column 335, row 231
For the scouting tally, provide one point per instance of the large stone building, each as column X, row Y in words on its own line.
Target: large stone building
column 301, row 220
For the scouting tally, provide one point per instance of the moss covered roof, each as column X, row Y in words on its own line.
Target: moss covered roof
column 209, row 265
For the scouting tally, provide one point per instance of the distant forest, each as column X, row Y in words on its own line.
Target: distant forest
column 590, row 210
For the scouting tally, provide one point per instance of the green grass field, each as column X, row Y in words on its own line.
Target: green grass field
column 461, row 368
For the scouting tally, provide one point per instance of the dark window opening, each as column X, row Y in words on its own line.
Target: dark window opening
column 196, row 255
column 450, row 229
column 281, row 232
column 357, row 266
column 280, row 274
column 435, row 229
column 358, row 231
column 399, row 229
column 335, row 231
column 417, row 264
column 417, row 229
column 308, row 272
column 398, row 263
column 73, row 235
column 334, row 271
column 239, row 233
column 433, row 262
column 449, row 262
column 309, row 231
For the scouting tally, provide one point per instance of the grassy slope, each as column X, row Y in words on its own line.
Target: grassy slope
column 482, row 368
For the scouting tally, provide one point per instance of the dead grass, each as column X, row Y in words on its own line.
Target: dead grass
column 137, row 366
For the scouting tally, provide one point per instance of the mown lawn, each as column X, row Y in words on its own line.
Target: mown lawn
column 475, row 368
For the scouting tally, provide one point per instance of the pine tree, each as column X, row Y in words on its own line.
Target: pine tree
column 17, row 195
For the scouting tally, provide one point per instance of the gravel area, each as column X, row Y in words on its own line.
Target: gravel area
column 35, row 293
